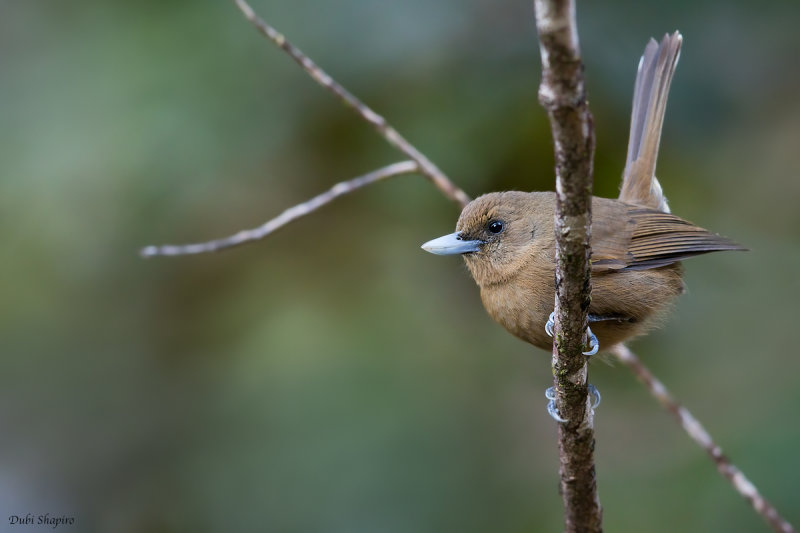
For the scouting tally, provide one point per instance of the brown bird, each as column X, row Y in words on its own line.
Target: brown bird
column 508, row 240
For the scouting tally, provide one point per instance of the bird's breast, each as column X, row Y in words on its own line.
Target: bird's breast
column 522, row 305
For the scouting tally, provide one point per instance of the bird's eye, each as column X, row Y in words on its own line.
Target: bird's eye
column 496, row 226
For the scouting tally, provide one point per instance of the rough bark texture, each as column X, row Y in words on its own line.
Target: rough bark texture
column 563, row 95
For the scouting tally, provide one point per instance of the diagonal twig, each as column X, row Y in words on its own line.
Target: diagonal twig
column 384, row 129
column 698, row 433
column 295, row 212
column 563, row 96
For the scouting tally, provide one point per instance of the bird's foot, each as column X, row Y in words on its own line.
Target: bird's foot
column 552, row 410
column 594, row 344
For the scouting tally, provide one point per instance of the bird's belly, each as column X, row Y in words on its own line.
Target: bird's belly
column 525, row 317
column 635, row 298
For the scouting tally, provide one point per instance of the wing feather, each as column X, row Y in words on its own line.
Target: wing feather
column 642, row 238
column 660, row 239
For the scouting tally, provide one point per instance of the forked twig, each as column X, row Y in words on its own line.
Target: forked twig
column 293, row 213
column 384, row 129
column 419, row 162
column 698, row 433
column 550, row 94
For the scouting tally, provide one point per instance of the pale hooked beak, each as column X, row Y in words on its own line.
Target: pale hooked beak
column 451, row 245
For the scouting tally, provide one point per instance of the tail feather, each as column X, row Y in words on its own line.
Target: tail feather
column 656, row 69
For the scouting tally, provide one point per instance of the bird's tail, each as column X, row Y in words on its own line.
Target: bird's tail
column 656, row 68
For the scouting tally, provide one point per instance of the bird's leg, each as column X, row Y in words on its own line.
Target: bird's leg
column 594, row 345
column 610, row 318
column 550, row 394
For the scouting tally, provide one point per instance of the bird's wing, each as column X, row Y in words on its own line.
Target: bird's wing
column 661, row 239
column 642, row 238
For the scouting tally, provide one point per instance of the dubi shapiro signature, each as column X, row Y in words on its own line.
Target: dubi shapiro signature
column 45, row 519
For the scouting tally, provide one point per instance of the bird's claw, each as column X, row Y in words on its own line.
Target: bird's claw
column 550, row 394
column 552, row 410
column 594, row 344
column 596, row 398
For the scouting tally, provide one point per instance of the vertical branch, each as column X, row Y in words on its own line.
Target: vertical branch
column 563, row 96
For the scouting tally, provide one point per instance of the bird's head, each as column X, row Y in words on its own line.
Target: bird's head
column 497, row 234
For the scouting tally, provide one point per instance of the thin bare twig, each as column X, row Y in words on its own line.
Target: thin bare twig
column 563, row 96
column 384, row 129
column 293, row 213
column 698, row 433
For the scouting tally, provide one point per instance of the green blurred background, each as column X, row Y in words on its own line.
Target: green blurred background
column 334, row 377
